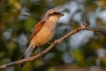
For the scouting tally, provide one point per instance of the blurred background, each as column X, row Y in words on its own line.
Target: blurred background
column 83, row 51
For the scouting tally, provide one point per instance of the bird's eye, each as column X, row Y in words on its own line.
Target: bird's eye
column 54, row 12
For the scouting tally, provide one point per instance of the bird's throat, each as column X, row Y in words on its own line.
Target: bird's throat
column 54, row 19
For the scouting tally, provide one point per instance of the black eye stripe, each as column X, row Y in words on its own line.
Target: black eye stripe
column 54, row 13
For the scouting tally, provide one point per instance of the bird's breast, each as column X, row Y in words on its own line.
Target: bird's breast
column 43, row 36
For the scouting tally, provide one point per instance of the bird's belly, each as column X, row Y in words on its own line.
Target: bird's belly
column 42, row 37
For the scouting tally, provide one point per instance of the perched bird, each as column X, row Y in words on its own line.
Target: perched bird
column 43, row 32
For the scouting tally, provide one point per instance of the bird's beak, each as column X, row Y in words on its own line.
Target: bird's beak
column 61, row 14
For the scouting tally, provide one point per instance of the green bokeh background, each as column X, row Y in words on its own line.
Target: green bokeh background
column 18, row 17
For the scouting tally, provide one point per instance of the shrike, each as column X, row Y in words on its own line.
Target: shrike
column 43, row 32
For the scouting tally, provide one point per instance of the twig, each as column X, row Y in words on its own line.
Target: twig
column 95, row 30
column 83, row 27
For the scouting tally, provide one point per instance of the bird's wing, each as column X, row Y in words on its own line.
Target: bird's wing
column 36, row 30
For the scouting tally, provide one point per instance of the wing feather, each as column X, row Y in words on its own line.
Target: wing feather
column 36, row 30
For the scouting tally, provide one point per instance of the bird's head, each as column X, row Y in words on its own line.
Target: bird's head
column 53, row 14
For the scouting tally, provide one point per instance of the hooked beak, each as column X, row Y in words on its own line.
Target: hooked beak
column 61, row 14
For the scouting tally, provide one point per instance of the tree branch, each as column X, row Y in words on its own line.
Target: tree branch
column 83, row 27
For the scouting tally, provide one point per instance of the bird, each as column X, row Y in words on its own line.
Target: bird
column 43, row 32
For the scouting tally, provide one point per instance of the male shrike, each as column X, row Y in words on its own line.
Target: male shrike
column 43, row 32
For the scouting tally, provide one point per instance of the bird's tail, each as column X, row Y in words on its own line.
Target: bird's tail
column 27, row 53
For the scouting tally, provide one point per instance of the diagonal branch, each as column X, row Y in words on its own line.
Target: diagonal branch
column 58, row 41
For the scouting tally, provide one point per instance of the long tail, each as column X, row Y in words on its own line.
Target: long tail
column 27, row 54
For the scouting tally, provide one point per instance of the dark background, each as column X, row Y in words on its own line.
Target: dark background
column 85, row 49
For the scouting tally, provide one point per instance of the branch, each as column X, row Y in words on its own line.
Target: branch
column 83, row 27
